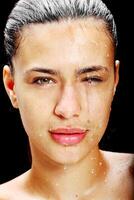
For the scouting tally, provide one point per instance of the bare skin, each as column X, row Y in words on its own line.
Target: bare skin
column 117, row 184
column 65, row 78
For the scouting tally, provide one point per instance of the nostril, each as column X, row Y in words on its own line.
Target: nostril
column 66, row 113
column 59, row 114
column 68, row 105
column 68, row 110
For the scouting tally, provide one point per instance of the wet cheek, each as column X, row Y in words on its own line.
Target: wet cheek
column 35, row 110
column 37, row 100
column 98, row 113
column 97, row 104
column 97, row 127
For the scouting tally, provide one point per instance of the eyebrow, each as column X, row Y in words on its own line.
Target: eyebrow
column 43, row 70
column 84, row 70
column 92, row 69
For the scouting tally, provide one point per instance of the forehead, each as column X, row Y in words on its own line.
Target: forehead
column 87, row 38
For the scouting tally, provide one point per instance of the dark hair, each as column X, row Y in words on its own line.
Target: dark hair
column 26, row 12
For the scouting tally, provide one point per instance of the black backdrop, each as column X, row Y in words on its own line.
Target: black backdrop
column 14, row 156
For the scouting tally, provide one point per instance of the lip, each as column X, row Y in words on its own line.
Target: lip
column 68, row 136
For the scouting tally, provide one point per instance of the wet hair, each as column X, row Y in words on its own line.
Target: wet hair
column 26, row 12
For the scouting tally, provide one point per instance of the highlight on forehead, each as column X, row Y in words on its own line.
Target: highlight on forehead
column 27, row 12
column 83, row 26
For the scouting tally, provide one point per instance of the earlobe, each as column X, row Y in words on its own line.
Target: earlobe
column 9, row 85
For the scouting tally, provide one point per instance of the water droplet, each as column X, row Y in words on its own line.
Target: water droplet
column 93, row 158
column 105, row 180
column 100, row 163
column 89, row 191
column 92, row 171
column 57, row 184
column 104, row 173
column 65, row 167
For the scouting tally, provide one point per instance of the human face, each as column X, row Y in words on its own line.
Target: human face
column 64, row 82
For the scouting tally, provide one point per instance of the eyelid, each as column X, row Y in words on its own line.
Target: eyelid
column 37, row 78
column 93, row 77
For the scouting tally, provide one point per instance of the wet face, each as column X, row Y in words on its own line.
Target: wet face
column 63, row 85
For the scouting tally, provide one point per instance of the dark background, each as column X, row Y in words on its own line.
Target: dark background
column 14, row 156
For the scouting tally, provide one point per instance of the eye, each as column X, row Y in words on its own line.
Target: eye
column 43, row 81
column 92, row 80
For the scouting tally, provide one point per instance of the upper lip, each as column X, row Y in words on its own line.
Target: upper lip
column 66, row 130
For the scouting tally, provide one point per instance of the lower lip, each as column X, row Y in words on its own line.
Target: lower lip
column 68, row 139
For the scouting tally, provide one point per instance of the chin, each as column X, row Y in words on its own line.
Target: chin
column 70, row 155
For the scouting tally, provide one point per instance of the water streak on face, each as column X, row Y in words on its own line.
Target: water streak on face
column 64, row 79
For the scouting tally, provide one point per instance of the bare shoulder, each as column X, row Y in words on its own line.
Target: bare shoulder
column 121, row 163
column 14, row 188
column 121, row 172
column 119, row 160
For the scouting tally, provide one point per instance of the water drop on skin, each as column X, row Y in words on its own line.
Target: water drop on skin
column 65, row 167
column 93, row 158
column 105, row 180
column 93, row 172
column 57, row 184
column 89, row 192
column 104, row 172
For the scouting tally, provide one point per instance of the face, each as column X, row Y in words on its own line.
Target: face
column 63, row 85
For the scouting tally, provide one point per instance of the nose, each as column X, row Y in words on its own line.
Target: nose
column 68, row 105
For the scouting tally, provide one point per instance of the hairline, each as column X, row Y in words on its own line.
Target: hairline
column 91, row 19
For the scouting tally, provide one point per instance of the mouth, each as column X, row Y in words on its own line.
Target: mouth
column 68, row 136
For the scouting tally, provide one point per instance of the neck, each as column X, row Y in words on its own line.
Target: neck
column 68, row 181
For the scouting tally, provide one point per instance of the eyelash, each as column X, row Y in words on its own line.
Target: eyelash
column 47, row 80
column 43, row 81
column 92, row 80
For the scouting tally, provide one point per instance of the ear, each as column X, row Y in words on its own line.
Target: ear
column 116, row 74
column 9, row 85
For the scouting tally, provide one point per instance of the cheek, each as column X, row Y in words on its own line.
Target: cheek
column 99, row 107
column 35, row 109
column 98, row 116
